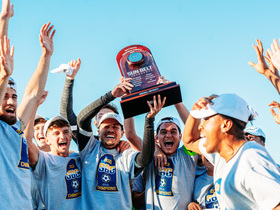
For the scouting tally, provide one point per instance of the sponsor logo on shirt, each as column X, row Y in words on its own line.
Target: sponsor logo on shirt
column 211, row 200
column 106, row 174
column 164, row 179
column 23, row 163
column 73, row 180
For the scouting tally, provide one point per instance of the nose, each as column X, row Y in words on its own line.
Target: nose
column 200, row 127
column 10, row 101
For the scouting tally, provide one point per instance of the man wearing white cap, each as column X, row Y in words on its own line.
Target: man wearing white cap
column 255, row 134
column 39, row 136
column 170, row 187
column 57, row 173
column 107, row 172
column 245, row 175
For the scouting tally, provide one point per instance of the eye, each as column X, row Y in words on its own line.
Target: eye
column 163, row 132
column 174, row 132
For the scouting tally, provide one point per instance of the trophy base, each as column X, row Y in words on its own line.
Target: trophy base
column 136, row 103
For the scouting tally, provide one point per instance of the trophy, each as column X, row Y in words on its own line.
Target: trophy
column 136, row 62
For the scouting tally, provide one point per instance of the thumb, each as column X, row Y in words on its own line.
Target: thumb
column 252, row 64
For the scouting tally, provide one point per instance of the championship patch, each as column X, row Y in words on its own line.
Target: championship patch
column 73, row 180
column 106, row 174
column 24, row 161
column 164, row 179
column 211, row 201
column 218, row 186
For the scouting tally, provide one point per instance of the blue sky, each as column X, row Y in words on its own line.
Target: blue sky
column 203, row 45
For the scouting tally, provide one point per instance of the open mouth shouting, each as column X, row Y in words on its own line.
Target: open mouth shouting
column 168, row 144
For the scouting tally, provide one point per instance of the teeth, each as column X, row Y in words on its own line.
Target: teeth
column 110, row 136
column 169, row 141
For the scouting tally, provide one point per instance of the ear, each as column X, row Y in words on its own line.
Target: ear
column 156, row 139
column 95, row 123
column 180, row 136
column 47, row 140
column 226, row 125
column 122, row 132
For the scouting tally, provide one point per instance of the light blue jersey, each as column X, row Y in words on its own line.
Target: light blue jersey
column 58, row 180
column 15, row 175
column 172, row 187
column 106, row 177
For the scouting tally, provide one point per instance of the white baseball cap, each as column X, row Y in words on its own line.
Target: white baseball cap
column 12, row 84
column 230, row 105
column 111, row 115
column 254, row 131
column 169, row 120
column 50, row 121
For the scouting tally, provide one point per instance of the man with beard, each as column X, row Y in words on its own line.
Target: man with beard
column 15, row 174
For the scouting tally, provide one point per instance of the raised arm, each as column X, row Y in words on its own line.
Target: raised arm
column 130, row 133
column 6, row 13
column 191, row 135
column 33, row 150
column 262, row 67
column 6, row 65
column 85, row 116
column 66, row 103
column 37, row 82
column 147, row 153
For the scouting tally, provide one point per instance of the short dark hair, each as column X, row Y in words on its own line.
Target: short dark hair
column 58, row 124
column 40, row 120
column 237, row 128
column 113, row 107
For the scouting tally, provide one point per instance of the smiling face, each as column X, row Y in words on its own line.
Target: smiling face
column 40, row 138
column 210, row 128
column 8, row 107
column 59, row 138
column 168, row 137
column 110, row 133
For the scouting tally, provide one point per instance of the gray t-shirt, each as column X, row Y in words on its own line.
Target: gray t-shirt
column 59, row 180
column 106, row 177
column 172, row 187
column 15, row 174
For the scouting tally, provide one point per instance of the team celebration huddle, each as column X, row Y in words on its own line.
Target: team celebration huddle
column 210, row 158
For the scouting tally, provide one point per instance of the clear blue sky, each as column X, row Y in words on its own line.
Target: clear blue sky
column 203, row 45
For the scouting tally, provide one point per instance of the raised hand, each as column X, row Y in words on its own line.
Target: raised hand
column 123, row 88
column 6, row 58
column 261, row 66
column 7, row 9
column 46, row 38
column 162, row 80
column 123, row 145
column 270, row 64
column 75, row 65
column 157, row 106
column 275, row 105
column 274, row 53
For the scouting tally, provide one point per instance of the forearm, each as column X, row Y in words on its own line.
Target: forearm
column 3, row 87
column 130, row 133
column 182, row 111
column 33, row 151
column 146, row 156
column 34, row 88
column 191, row 134
column 66, row 103
column 85, row 116
column 274, row 79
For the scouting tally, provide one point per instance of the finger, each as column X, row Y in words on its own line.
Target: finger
column 12, row 51
column 53, row 34
column 42, row 30
column 49, row 30
column 269, row 53
column 5, row 44
column 159, row 101
column 273, row 48
column 257, row 52
column 273, row 112
column 163, row 102
column 252, row 64
column 2, row 47
column 79, row 61
column 164, row 159
column 276, row 44
column 8, row 46
column 155, row 101
column 260, row 46
column 150, row 106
